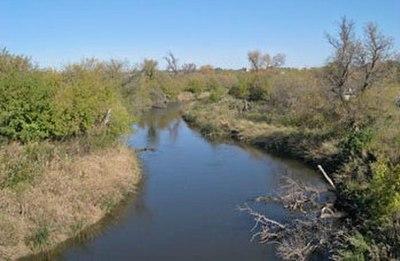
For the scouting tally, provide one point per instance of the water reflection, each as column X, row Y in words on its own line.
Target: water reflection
column 157, row 120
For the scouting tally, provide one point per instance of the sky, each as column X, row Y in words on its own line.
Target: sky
column 215, row 32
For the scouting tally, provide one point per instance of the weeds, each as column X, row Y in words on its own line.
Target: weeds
column 39, row 238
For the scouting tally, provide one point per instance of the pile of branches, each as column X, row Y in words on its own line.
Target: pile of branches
column 315, row 229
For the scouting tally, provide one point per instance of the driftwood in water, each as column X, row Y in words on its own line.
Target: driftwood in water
column 327, row 177
column 314, row 229
column 145, row 149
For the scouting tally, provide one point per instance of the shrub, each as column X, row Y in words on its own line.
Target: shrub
column 25, row 102
column 258, row 89
column 196, row 86
column 241, row 89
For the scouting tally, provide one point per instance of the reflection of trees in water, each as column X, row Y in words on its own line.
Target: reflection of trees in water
column 157, row 120
column 152, row 135
column 173, row 130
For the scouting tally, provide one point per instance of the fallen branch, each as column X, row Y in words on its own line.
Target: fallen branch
column 304, row 236
column 327, row 177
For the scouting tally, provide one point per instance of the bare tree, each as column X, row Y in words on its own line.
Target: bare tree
column 172, row 63
column 149, row 67
column 345, row 47
column 376, row 50
column 278, row 60
column 267, row 60
column 189, row 68
column 255, row 59
column 356, row 65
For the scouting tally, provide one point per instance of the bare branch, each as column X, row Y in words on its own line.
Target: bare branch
column 172, row 63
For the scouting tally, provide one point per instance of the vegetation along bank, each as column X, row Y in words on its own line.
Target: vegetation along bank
column 62, row 166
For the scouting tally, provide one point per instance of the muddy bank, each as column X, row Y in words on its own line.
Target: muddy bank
column 68, row 197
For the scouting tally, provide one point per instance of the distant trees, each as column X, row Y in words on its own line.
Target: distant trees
column 148, row 67
column 206, row 69
column 260, row 61
column 357, row 64
column 189, row 68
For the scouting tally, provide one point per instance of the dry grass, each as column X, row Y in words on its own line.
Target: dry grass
column 226, row 119
column 69, row 196
column 225, row 116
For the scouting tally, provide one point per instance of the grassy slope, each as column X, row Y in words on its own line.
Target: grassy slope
column 224, row 119
column 71, row 194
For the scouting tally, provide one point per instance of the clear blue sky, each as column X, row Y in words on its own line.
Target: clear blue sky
column 213, row 32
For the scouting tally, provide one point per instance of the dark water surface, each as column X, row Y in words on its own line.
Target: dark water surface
column 186, row 208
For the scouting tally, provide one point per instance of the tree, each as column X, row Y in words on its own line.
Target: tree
column 206, row 69
column 149, row 67
column 345, row 48
column 278, row 60
column 376, row 50
column 172, row 63
column 189, row 68
column 260, row 61
column 255, row 59
column 356, row 64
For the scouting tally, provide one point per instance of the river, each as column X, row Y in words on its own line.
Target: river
column 187, row 206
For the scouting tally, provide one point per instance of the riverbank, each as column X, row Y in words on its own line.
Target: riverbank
column 355, row 159
column 225, row 120
column 67, row 193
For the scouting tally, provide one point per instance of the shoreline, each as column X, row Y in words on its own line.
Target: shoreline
column 290, row 143
column 72, row 196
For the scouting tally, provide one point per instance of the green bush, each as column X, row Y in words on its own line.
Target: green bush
column 385, row 189
column 359, row 139
column 82, row 102
column 241, row 89
column 36, row 105
column 196, row 86
column 259, row 88
column 26, row 111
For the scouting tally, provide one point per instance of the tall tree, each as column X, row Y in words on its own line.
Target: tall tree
column 346, row 47
column 376, row 50
column 357, row 64
column 172, row 63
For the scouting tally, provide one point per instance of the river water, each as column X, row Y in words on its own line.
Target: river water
column 187, row 206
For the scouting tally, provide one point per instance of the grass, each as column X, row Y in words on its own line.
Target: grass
column 224, row 119
column 39, row 238
column 38, row 212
